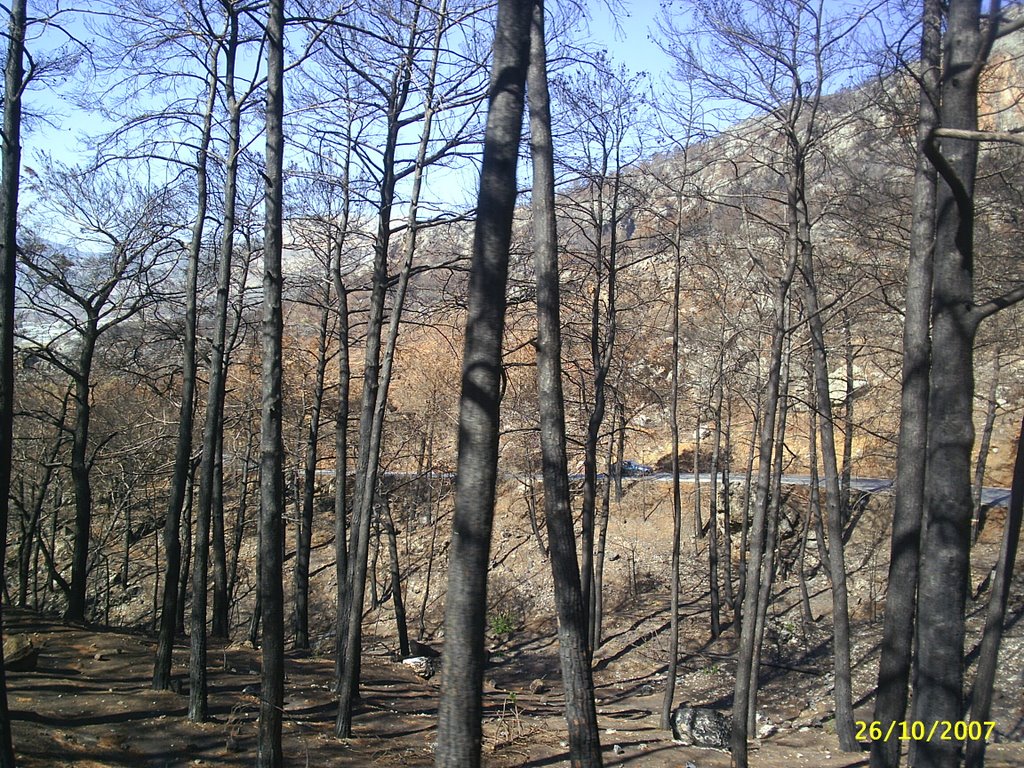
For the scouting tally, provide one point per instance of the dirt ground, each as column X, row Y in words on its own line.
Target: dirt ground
column 89, row 702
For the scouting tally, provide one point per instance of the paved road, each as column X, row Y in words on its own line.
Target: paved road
column 996, row 497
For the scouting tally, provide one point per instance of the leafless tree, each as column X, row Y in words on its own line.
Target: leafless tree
column 459, row 733
column 125, row 249
column 14, row 84
column 956, row 316
column 269, row 752
column 577, row 679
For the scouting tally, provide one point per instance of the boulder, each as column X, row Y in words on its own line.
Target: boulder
column 700, row 727
column 423, row 666
column 20, row 654
column 416, row 648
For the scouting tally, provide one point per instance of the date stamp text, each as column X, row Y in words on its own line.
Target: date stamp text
column 918, row 730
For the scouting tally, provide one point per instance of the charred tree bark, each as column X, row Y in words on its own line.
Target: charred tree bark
column 421, row 624
column 218, row 548
column 847, row 462
column 375, row 384
column 580, row 711
column 805, row 597
column 757, row 413
column 341, row 564
column 269, row 753
column 730, row 595
column 984, row 446
column 603, row 321
column 459, row 724
column 186, row 565
column 372, row 569
column 945, row 541
column 14, row 84
column 745, row 680
column 531, row 510
column 213, row 428
column 28, row 547
column 698, row 496
column 716, row 450
column 241, row 522
column 305, row 522
column 677, row 500
column 197, row 699
column 183, row 448
column 401, row 624
column 601, row 549
column 80, row 470
column 766, row 580
column 833, row 493
column 336, row 245
column 981, row 697
column 256, row 619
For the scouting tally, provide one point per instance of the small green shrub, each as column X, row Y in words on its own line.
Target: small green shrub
column 502, row 623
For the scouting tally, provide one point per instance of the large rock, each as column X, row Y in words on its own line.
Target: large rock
column 20, row 654
column 700, row 727
column 423, row 666
column 422, row 649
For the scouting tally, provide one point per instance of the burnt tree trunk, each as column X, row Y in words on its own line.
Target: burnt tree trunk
column 271, row 589
column 677, row 501
column 28, row 547
column 981, row 696
column 183, row 447
column 213, row 428
column 460, row 712
column 374, row 399
column 748, row 476
column 186, row 564
column 241, row 522
column 984, row 446
column 603, row 322
column 401, row 623
column 746, row 682
column 601, row 548
column 580, row 711
column 80, row 471
column 14, row 83
column 305, row 522
column 218, row 548
column 531, row 510
column 698, row 495
column 716, row 450
column 421, row 624
column 730, row 595
column 848, row 427
column 833, row 494
column 945, row 539
column 336, row 245
column 766, row 580
column 341, row 563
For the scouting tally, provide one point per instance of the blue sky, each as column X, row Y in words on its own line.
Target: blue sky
column 629, row 44
column 628, row 38
column 624, row 30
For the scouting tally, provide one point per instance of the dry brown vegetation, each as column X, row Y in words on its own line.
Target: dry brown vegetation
column 89, row 702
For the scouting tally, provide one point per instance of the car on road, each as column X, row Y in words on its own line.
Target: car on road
column 630, row 468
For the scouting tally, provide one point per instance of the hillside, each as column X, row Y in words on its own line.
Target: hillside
column 89, row 702
column 732, row 301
